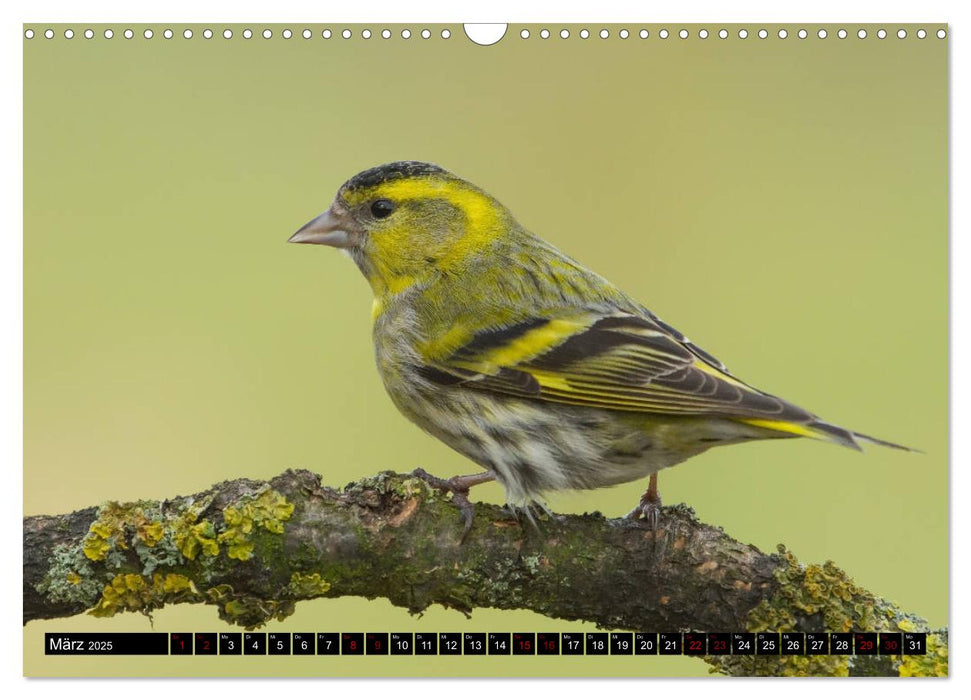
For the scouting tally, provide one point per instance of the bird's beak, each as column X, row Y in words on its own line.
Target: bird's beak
column 327, row 229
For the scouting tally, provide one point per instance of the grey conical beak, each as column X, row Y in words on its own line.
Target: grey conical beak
column 326, row 229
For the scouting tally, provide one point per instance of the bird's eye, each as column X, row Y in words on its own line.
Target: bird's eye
column 382, row 208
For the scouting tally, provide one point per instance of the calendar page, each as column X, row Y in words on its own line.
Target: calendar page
column 599, row 350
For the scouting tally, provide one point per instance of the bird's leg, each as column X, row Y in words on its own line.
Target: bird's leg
column 459, row 487
column 650, row 506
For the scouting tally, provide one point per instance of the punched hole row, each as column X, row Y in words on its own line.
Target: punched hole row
column 446, row 33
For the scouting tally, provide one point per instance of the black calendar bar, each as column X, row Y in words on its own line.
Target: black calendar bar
column 117, row 644
column 497, row 644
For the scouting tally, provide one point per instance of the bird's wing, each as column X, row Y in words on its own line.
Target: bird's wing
column 614, row 360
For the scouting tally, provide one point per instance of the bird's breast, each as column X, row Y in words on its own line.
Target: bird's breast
column 397, row 335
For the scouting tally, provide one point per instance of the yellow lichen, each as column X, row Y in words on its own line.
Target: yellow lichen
column 121, row 525
column 125, row 592
column 307, row 585
column 150, row 532
column 933, row 664
column 174, row 583
column 235, row 608
column 134, row 593
column 96, row 549
column 269, row 510
column 96, row 544
column 195, row 539
column 240, row 550
column 151, row 538
column 826, row 592
column 818, row 589
column 109, row 530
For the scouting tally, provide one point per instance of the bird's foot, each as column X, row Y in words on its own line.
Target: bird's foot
column 435, row 482
column 649, row 509
column 530, row 511
column 459, row 487
column 647, row 512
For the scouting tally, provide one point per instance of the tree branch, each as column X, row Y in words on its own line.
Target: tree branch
column 255, row 548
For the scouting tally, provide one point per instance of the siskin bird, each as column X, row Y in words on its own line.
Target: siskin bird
column 524, row 361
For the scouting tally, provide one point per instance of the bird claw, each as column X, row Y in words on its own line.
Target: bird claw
column 435, row 482
column 460, row 496
column 525, row 513
column 467, row 509
column 647, row 511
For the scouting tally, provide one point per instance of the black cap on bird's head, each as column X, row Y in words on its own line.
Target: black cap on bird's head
column 398, row 170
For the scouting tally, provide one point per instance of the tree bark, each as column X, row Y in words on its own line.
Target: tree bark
column 256, row 548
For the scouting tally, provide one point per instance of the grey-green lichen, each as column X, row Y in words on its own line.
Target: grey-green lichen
column 531, row 563
column 505, row 580
column 388, row 483
column 822, row 597
column 70, row 578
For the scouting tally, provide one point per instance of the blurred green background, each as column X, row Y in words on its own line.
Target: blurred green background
column 783, row 202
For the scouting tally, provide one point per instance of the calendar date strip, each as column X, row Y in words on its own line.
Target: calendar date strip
column 894, row 644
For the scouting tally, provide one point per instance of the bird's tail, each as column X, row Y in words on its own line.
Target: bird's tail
column 821, row 430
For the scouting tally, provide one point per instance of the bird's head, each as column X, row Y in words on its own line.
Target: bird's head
column 404, row 222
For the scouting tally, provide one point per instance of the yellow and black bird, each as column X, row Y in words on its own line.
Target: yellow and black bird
column 521, row 359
